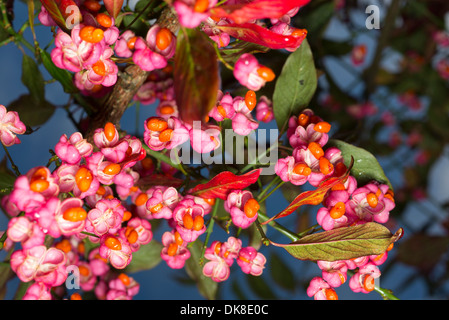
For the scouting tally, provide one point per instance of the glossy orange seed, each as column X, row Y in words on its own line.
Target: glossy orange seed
column 131, row 234
column 126, row 216
column 178, row 239
column 198, row 223
column 166, row 109
column 156, row 208
column 99, row 68
column 338, row 210
column 250, row 99
column 112, row 169
column 322, row 126
column 64, row 245
column 92, row 5
column 157, row 124
column 187, row 221
column 302, row 169
column 303, row 120
column 372, row 200
column 266, row 73
column 368, row 283
column 201, row 5
column 172, row 249
column 331, row 294
column 104, row 20
column 39, row 185
column 84, row 271
column 109, row 129
column 124, row 279
column 163, row 38
column 76, row 296
column 141, row 199
column 113, row 243
column 326, row 166
column 316, row 150
column 251, row 207
column 166, row 135
column 75, row 214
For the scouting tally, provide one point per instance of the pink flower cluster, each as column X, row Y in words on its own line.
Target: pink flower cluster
column 10, row 127
column 221, row 256
column 345, row 204
column 73, row 202
column 89, row 49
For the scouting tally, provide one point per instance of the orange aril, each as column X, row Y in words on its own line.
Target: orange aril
column 372, row 200
column 166, row 135
column 157, row 124
column 141, row 199
column 172, row 249
column 250, row 99
column 124, row 279
column 187, row 221
column 113, row 243
column 338, row 210
column 92, row 5
column 84, row 271
column 302, row 169
column 156, row 208
column 112, row 169
column 368, row 283
column 163, row 38
column 326, row 166
column 64, row 245
column 330, row 294
column 201, row 5
column 303, row 120
column 198, row 223
column 75, row 214
column 166, row 109
column 266, row 73
column 104, row 20
column 76, row 296
column 131, row 43
column 126, row 216
column 251, row 207
column 316, row 150
column 99, row 68
column 322, row 126
column 131, row 234
column 39, row 185
column 109, row 128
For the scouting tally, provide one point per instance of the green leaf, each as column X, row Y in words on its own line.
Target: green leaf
column 343, row 243
column 196, row 77
column 32, row 112
column 206, row 286
column 63, row 76
column 260, row 287
column 32, row 79
column 295, row 85
column 6, row 183
column 147, row 257
column 366, row 168
column 281, row 273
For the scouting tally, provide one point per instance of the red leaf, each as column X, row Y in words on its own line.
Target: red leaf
column 313, row 197
column 65, row 13
column 113, row 7
column 196, row 76
column 254, row 33
column 223, row 183
column 257, row 9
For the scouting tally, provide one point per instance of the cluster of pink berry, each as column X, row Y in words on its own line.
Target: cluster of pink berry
column 345, row 204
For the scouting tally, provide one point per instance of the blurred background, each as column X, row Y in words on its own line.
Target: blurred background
column 384, row 89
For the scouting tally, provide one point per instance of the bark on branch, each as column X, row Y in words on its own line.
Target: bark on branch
column 128, row 83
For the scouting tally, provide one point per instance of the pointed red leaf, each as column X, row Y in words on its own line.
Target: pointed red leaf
column 113, row 7
column 196, row 76
column 257, row 9
column 223, row 183
column 65, row 13
column 312, row 197
column 251, row 32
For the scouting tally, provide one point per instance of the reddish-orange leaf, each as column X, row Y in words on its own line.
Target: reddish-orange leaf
column 223, row 183
column 251, row 32
column 312, row 197
column 257, row 9
column 113, row 7
column 65, row 13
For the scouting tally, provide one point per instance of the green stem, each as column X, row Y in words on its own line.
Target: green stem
column 13, row 165
column 291, row 235
column 272, row 182
column 161, row 157
column 272, row 191
column 209, row 229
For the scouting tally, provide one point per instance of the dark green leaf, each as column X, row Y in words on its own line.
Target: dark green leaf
column 32, row 79
column 147, row 257
column 295, row 86
column 206, row 286
column 343, row 243
column 32, row 113
column 260, row 287
column 196, row 78
column 281, row 273
column 366, row 168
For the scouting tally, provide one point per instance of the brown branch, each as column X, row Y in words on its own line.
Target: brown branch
column 128, row 83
